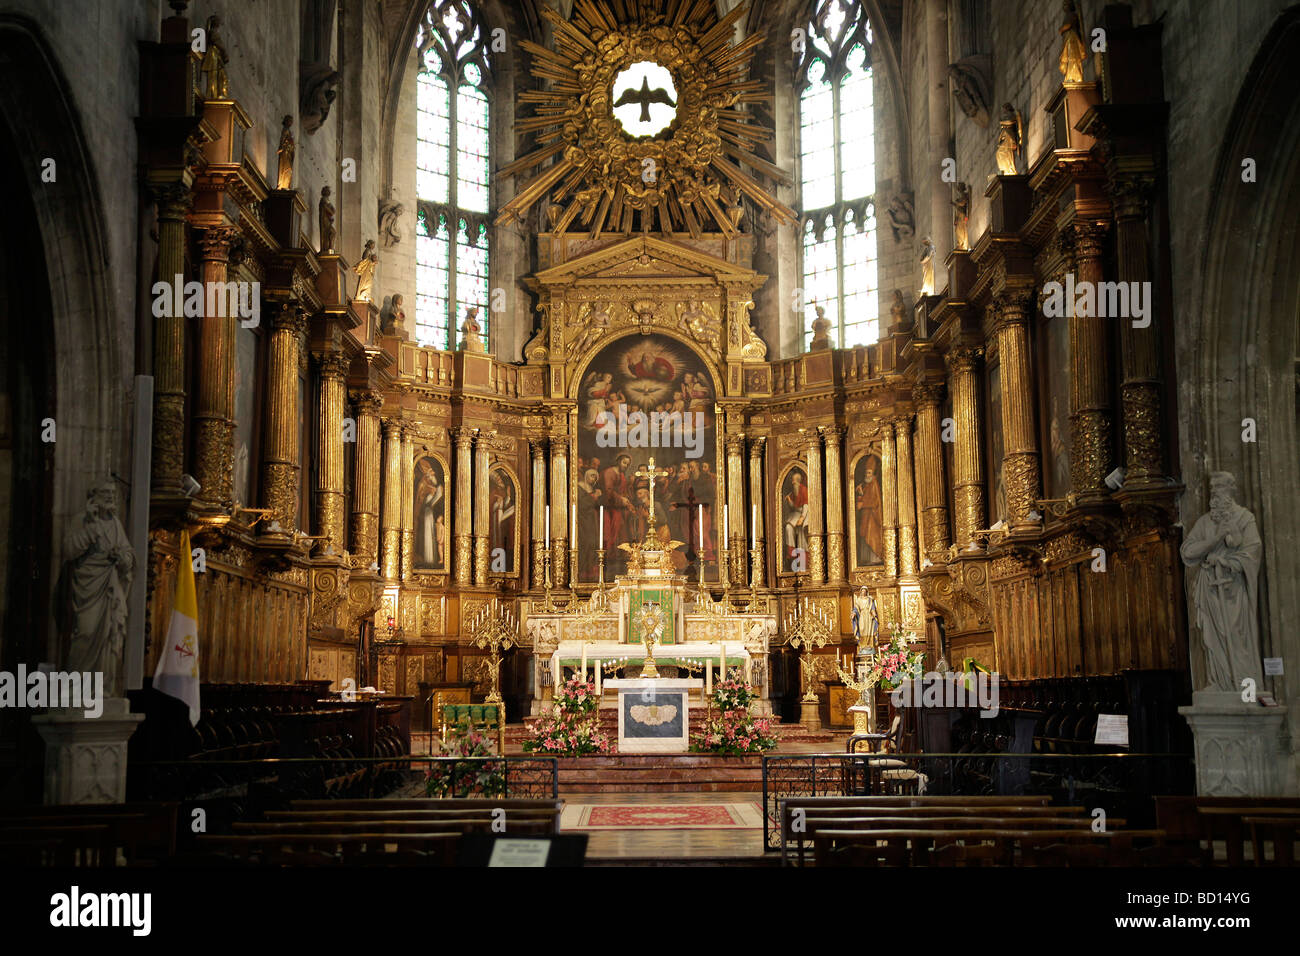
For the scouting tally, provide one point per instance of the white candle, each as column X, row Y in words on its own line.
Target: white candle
column 708, row 678
column 584, row 661
column 753, row 531
column 598, row 675
column 701, row 512
column 548, row 526
column 573, row 528
column 726, row 528
column 722, row 662
column 602, row 528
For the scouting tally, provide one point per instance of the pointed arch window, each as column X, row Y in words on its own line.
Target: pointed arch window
column 453, row 112
column 837, row 152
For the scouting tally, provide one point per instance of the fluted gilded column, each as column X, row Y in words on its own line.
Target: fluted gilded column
column 907, row 561
column 1140, row 389
column 834, row 434
column 214, row 393
column 968, row 448
column 1021, row 469
column 406, row 559
column 329, row 442
column 280, row 471
column 735, row 444
column 1091, row 456
column 464, row 566
column 816, row 506
column 537, row 490
column 889, row 495
column 482, row 561
column 366, row 465
column 933, row 499
column 758, row 569
column 560, row 510
column 391, row 513
column 168, row 460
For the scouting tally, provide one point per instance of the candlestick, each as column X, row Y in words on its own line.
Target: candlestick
column 584, row 662
column 753, row 529
column 573, row 524
column 601, row 542
column 726, row 527
column 722, row 661
column 548, row 527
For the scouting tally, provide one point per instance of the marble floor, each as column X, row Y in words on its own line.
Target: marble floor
column 667, row 846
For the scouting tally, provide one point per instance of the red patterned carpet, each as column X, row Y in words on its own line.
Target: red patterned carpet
column 658, row 816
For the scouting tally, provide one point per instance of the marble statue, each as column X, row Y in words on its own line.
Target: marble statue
column 472, row 331
column 1225, row 545
column 1011, row 137
column 93, row 588
column 316, row 84
column 390, row 212
column 820, row 329
column 902, row 216
column 927, row 266
column 392, row 321
column 365, row 270
column 213, row 64
column 1073, row 52
column 325, row 209
column 971, row 83
column 285, row 151
column 961, row 217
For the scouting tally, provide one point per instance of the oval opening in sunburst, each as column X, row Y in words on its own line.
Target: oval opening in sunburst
column 644, row 98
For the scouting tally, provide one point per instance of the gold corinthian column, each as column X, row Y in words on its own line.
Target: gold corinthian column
column 756, row 447
column 280, row 488
column 481, row 557
column 929, row 471
column 214, row 396
column 816, row 506
column 968, row 449
column 889, row 495
column 173, row 200
column 736, row 509
column 560, row 510
column 1091, row 458
column 365, row 479
column 406, row 561
column 537, row 493
column 391, row 515
column 1021, row 471
column 834, row 434
column 329, row 441
column 907, row 562
column 464, row 438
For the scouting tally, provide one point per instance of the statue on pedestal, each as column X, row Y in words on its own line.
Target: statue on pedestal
column 472, row 331
column 897, row 311
column 1011, row 137
column 213, row 64
column 1073, row 52
column 1225, row 545
column 325, row 210
column 93, row 588
column 961, row 217
column 820, row 329
column 392, row 321
column 365, row 270
column 284, row 174
column 927, row 266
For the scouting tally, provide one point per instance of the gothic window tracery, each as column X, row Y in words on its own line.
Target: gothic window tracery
column 837, row 150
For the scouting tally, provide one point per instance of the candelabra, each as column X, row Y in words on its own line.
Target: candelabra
column 573, row 571
column 599, row 600
column 724, row 572
column 753, row 580
column 809, row 628
column 549, row 605
column 494, row 628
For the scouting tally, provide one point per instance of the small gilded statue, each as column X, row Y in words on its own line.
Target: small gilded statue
column 472, row 331
column 927, row 266
column 1073, row 52
column 365, row 270
column 1011, row 136
column 326, row 212
column 213, row 64
column 961, row 216
column 821, row 330
column 285, row 151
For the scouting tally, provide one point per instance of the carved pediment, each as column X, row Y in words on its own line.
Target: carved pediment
column 645, row 257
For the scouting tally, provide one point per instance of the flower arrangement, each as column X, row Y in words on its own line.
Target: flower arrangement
column 570, row 729
column 896, row 663
column 470, row 779
column 734, row 731
column 577, row 696
column 732, row 694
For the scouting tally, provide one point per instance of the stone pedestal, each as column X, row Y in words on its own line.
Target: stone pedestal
column 810, row 714
column 1240, row 751
column 85, row 758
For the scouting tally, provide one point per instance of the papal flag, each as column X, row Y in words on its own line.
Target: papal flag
column 177, row 674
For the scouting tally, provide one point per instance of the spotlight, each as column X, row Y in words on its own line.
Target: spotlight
column 189, row 486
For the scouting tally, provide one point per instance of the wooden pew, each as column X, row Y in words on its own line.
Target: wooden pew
column 431, row 808
column 1180, row 817
column 1280, row 831
column 538, row 826
column 57, row 844
column 144, row 833
column 428, row 849
column 543, row 818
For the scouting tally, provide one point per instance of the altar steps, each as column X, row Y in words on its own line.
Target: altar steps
column 516, row 734
column 661, row 773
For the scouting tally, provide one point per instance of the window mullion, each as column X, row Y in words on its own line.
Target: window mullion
column 839, row 217
column 453, row 213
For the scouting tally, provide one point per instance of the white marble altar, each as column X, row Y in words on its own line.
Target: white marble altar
column 654, row 714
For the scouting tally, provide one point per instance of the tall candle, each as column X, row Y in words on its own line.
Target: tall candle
column 701, row 511
column 708, row 678
column 753, row 531
column 602, row 528
column 598, row 677
column 584, row 661
column 722, row 661
column 573, row 528
column 548, row 526
column 726, row 528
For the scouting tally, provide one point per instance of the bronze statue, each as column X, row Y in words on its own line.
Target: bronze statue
column 365, row 270
column 326, row 212
column 284, row 177
column 213, row 64
column 1073, row 52
column 961, row 218
column 1011, row 138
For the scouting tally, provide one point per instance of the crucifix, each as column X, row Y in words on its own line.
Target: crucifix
column 651, row 472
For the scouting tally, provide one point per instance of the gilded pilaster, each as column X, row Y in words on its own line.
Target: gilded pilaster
column 735, row 444
column 1021, row 471
column 816, row 504
column 560, row 510
column 537, row 489
column 280, row 470
column 391, row 514
column 463, row 533
column 407, row 557
column 968, row 447
column 482, row 561
column 329, row 442
column 756, row 448
column 834, row 434
column 889, row 495
column 173, row 202
column 1091, row 458
column 929, row 471
column 907, row 561
column 214, row 395
column 365, row 479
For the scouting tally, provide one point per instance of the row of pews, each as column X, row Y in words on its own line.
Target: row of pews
column 1031, row 831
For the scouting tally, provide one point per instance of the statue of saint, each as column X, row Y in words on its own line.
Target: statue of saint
column 284, row 175
column 961, row 217
column 472, row 331
column 927, row 266
column 820, row 329
column 1011, row 136
column 365, row 270
column 325, row 210
column 1073, row 52
column 93, row 588
column 390, row 212
column 392, row 321
column 898, row 311
column 213, row 64
column 1225, row 545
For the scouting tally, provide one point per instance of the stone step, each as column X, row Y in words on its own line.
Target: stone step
column 661, row 773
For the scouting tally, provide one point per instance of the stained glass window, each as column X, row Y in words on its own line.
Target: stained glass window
column 451, row 177
column 837, row 151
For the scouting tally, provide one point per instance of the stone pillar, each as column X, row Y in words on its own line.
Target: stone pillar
column 537, row 489
column 889, row 495
column 1140, row 390
column 462, row 531
column 214, row 393
column 482, row 560
column 834, row 434
column 329, row 441
column 559, row 511
column 968, row 449
column 1021, row 471
column 736, row 509
column 929, row 472
column 391, row 515
column 280, row 488
column 907, row 561
column 406, row 561
column 366, row 463
column 85, row 758
column 756, row 447
column 168, row 461
column 1091, row 456
column 816, row 502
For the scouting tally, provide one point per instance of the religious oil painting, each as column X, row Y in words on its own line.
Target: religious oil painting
column 644, row 398
column 432, row 512
column 867, row 534
column 793, row 509
column 503, row 509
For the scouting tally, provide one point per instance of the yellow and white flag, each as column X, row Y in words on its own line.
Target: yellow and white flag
column 177, row 674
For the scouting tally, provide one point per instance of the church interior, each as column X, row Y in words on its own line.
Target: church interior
column 731, row 432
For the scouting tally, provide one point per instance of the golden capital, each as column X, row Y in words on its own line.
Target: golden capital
column 366, row 401
column 216, row 242
column 1011, row 307
column 964, row 358
column 289, row 318
column 1089, row 238
column 330, row 363
column 927, row 395
column 174, row 200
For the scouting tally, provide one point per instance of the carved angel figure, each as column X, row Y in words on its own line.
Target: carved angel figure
column 700, row 324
